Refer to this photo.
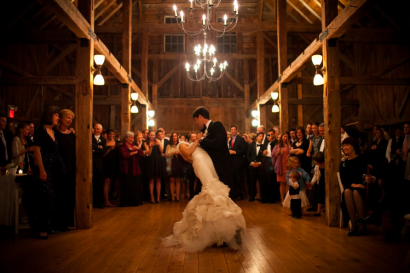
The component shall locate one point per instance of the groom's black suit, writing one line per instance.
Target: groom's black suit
(215, 145)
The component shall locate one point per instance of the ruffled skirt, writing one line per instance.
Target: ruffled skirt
(209, 218)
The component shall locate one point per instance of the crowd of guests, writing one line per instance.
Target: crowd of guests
(269, 166)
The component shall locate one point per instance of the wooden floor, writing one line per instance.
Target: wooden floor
(129, 240)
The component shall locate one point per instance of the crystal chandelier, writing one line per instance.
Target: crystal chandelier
(206, 65)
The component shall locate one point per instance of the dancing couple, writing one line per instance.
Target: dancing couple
(211, 217)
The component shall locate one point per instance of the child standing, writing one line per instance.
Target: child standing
(300, 179)
(294, 193)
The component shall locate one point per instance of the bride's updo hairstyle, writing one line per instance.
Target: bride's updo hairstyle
(201, 110)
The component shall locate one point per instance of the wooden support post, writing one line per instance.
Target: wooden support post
(260, 69)
(144, 64)
(247, 92)
(282, 64)
(300, 107)
(84, 111)
(332, 116)
(126, 62)
(112, 115)
(155, 103)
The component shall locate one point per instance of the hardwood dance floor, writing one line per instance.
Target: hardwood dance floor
(129, 240)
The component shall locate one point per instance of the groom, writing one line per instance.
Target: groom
(214, 141)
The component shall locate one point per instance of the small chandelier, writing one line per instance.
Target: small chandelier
(205, 58)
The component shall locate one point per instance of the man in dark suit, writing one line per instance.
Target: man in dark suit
(214, 141)
(255, 157)
(99, 145)
(262, 129)
(164, 182)
(237, 149)
(270, 187)
(5, 142)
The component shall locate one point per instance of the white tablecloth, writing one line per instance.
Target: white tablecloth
(7, 199)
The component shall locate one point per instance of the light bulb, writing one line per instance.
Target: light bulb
(99, 80)
(151, 113)
(255, 113)
(134, 109)
(275, 108)
(225, 19)
(212, 71)
(134, 96)
(187, 66)
(317, 59)
(203, 19)
(255, 123)
(151, 123)
(274, 95)
(215, 61)
(99, 59)
(182, 16)
(175, 9)
(318, 80)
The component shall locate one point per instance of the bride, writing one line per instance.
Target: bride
(210, 217)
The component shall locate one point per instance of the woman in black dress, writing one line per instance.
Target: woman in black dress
(111, 164)
(352, 172)
(131, 184)
(155, 165)
(176, 167)
(64, 191)
(299, 149)
(40, 197)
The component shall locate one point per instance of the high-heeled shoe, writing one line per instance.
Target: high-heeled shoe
(158, 201)
(152, 200)
(354, 232)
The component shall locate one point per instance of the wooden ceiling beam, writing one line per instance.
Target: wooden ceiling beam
(375, 36)
(177, 56)
(299, 11)
(335, 29)
(358, 81)
(42, 80)
(319, 101)
(38, 37)
(72, 18)
(240, 27)
(106, 18)
(69, 49)
(104, 9)
(309, 8)
(260, 15)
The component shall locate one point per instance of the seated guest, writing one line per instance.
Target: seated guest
(65, 190)
(352, 171)
(131, 183)
(20, 147)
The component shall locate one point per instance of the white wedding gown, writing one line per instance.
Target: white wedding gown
(210, 217)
